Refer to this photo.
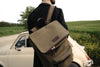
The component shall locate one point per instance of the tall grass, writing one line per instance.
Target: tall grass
(84, 26)
(4, 31)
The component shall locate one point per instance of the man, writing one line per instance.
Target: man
(41, 12)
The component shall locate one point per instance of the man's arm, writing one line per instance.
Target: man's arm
(29, 25)
(61, 19)
(31, 22)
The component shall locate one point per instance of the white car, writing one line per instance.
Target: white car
(20, 54)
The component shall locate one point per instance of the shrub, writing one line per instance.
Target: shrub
(91, 43)
(94, 52)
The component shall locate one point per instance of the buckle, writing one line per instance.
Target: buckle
(53, 48)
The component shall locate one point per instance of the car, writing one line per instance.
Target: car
(21, 54)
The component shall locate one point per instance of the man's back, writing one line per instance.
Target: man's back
(33, 21)
(41, 12)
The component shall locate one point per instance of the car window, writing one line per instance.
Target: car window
(21, 42)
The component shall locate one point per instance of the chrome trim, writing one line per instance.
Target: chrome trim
(88, 63)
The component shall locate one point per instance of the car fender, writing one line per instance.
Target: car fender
(2, 64)
(77, 61)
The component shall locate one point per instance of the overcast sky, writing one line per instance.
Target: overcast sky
(74, 10)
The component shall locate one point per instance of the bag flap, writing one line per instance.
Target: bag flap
(48, 36)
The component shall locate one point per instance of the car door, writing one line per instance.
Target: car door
(21, 55)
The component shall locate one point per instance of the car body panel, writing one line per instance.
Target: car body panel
(79, 54)
(22, 57)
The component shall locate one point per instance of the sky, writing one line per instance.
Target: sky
(74, 10)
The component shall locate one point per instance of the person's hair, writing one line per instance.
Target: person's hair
(51, 1)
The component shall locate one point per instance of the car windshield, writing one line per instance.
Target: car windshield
(24, 41)
(21, 42)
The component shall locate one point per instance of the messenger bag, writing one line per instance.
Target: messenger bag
(51, 40)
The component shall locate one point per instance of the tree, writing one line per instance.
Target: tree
(24, 15)
(4, 24)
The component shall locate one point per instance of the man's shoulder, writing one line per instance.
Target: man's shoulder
(58, 9)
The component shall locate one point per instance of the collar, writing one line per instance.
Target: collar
(44, 4)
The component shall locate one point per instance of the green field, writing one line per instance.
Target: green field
(85, 31)
(4, 31)
(84, 26)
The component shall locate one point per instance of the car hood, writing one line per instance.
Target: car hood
(5, 47)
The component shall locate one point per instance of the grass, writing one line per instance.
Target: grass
(84, 26)
(85, 30)
(5, 31)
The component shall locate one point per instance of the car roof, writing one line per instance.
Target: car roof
(26, 32)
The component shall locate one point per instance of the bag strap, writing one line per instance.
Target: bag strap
(50, 12)
(51, 9)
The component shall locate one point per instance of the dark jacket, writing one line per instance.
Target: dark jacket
(41, 12)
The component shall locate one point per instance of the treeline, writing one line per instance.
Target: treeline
(7, 24)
